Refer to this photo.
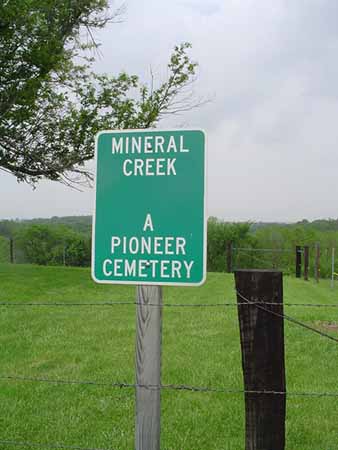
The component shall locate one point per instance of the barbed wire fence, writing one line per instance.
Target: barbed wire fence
(11, 250)
(261, 305)
(318, 262)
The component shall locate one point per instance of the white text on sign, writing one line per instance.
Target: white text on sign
(147, 245)
(148, 145)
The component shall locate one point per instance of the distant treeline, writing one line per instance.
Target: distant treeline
(266, 246)
(82, 224)
(47, 241)
(67, 241)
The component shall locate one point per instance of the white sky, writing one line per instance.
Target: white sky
(271, 70)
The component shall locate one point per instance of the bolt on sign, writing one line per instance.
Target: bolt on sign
(149, 223)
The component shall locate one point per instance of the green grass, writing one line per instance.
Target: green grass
(200, 347)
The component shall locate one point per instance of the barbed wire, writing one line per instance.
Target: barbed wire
(259, 259)
(62, 304)
(180, 387)
(275, 261)
(272, 250)
(167, 305)
(175, 387)
(201, 389)
(46, 445)
(289, 318)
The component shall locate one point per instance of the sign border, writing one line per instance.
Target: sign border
(205, 221)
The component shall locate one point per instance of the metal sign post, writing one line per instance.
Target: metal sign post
(149, 229)
(148, 367)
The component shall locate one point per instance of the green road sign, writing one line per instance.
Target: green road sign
(149, 221)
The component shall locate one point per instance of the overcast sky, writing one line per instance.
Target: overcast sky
(270, 69)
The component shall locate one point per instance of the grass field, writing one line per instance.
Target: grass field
(200, 347)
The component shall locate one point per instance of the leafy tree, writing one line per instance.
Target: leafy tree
(78, 251)
(219, 233)
(51, 106)
(7, 228)
(4, 250)
(53, 245)
(37, 243)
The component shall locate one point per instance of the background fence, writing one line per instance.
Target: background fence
(322, 262)
(314, 262)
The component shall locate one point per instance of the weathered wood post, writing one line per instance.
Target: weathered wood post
(306, 262)
(148, 367)
(298, 261)
(229, 256)
(262, 344)
(11, 250)
(317, 261)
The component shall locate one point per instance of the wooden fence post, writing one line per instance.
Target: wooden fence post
(306, 262)
(229, 256)
(148, 367)
(11, 250)
(298, 262)
(317, 261)
(263, 361)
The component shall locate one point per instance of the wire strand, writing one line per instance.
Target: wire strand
(176, 387)
(272, 250)
(167, 305)
(289, 318)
